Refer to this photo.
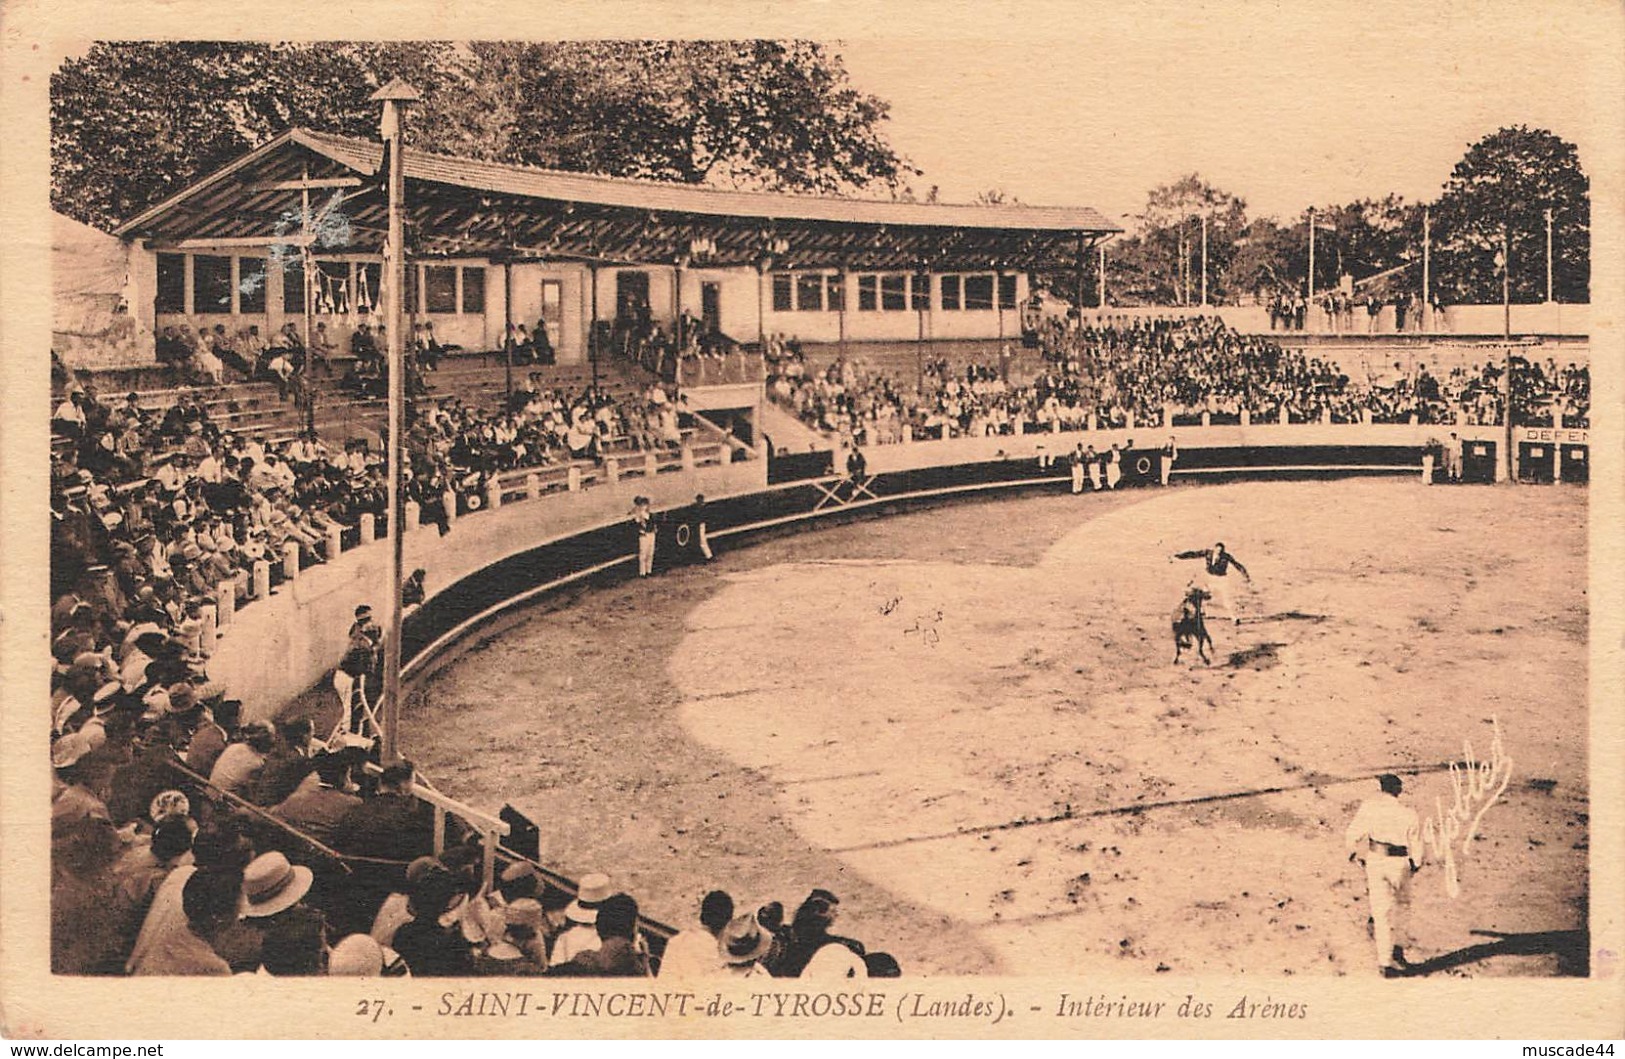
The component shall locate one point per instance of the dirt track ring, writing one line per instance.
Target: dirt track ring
(767, 726)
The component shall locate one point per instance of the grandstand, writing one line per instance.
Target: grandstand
(212, 543)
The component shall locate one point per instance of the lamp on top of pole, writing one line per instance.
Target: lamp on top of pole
(396, 96)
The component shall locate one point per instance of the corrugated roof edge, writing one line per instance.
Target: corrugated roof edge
(535, 182)
(538, 182)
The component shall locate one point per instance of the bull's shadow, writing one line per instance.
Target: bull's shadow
(1571, 947)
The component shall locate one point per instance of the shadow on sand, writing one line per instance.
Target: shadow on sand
(1571, 947)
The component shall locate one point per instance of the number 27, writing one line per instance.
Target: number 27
(375, 1008)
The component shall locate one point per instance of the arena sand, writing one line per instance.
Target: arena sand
(921, 713)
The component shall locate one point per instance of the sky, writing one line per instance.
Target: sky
(1094, 102)
(1285, 105)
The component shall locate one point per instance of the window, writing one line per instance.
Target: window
(369, 279)
(211, 284)
(920, 291)
(440, 289)
(783, 284)
(553, 306)
(1007, 291)
(834, 293)
(810, 291)
(866, 294)
(474, 291)
(978, 292)
(293, 285)
(894, 292)
(251, 273)
(171, 284)
(950, 292)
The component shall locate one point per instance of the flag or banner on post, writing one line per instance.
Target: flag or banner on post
(682, 537)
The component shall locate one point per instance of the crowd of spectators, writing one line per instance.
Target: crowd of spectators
(188, 842)
(1130, 372)
(212, 356)
(185, 841)
(176, 504)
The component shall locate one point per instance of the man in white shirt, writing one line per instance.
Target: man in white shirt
(1386, 835)
(69, 418)
(209, 469)
(694, 953)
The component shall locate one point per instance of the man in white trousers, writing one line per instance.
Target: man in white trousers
(1385, 835)
(1218, 562)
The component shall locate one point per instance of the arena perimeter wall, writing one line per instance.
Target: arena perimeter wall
(495, 561)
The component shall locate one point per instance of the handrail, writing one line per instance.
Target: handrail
(653, 927)
(237, 801)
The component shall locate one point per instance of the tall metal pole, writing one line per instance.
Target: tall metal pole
(1506, 333)
(1506, 284)
(1548, 255)
(1204, 261)
(394, 96)
(1427, 277)
(1184, 265)
(1309, 312)
(307, 264)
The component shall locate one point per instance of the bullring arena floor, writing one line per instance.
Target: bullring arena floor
(964, 722)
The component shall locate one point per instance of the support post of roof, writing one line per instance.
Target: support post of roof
(998, 299)
(592, 326)
(507, 328)
(680, 338)
(846, 296)
(395, 96)
(761, 306)
(306, 260)
(1081, 252)
(1101, 279)
(919, 341)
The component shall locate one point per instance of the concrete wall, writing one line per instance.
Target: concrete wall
(276, 648)
(883, 458)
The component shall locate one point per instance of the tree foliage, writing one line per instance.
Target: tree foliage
(1509, 179)
(1162, 263)
(135, 122)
